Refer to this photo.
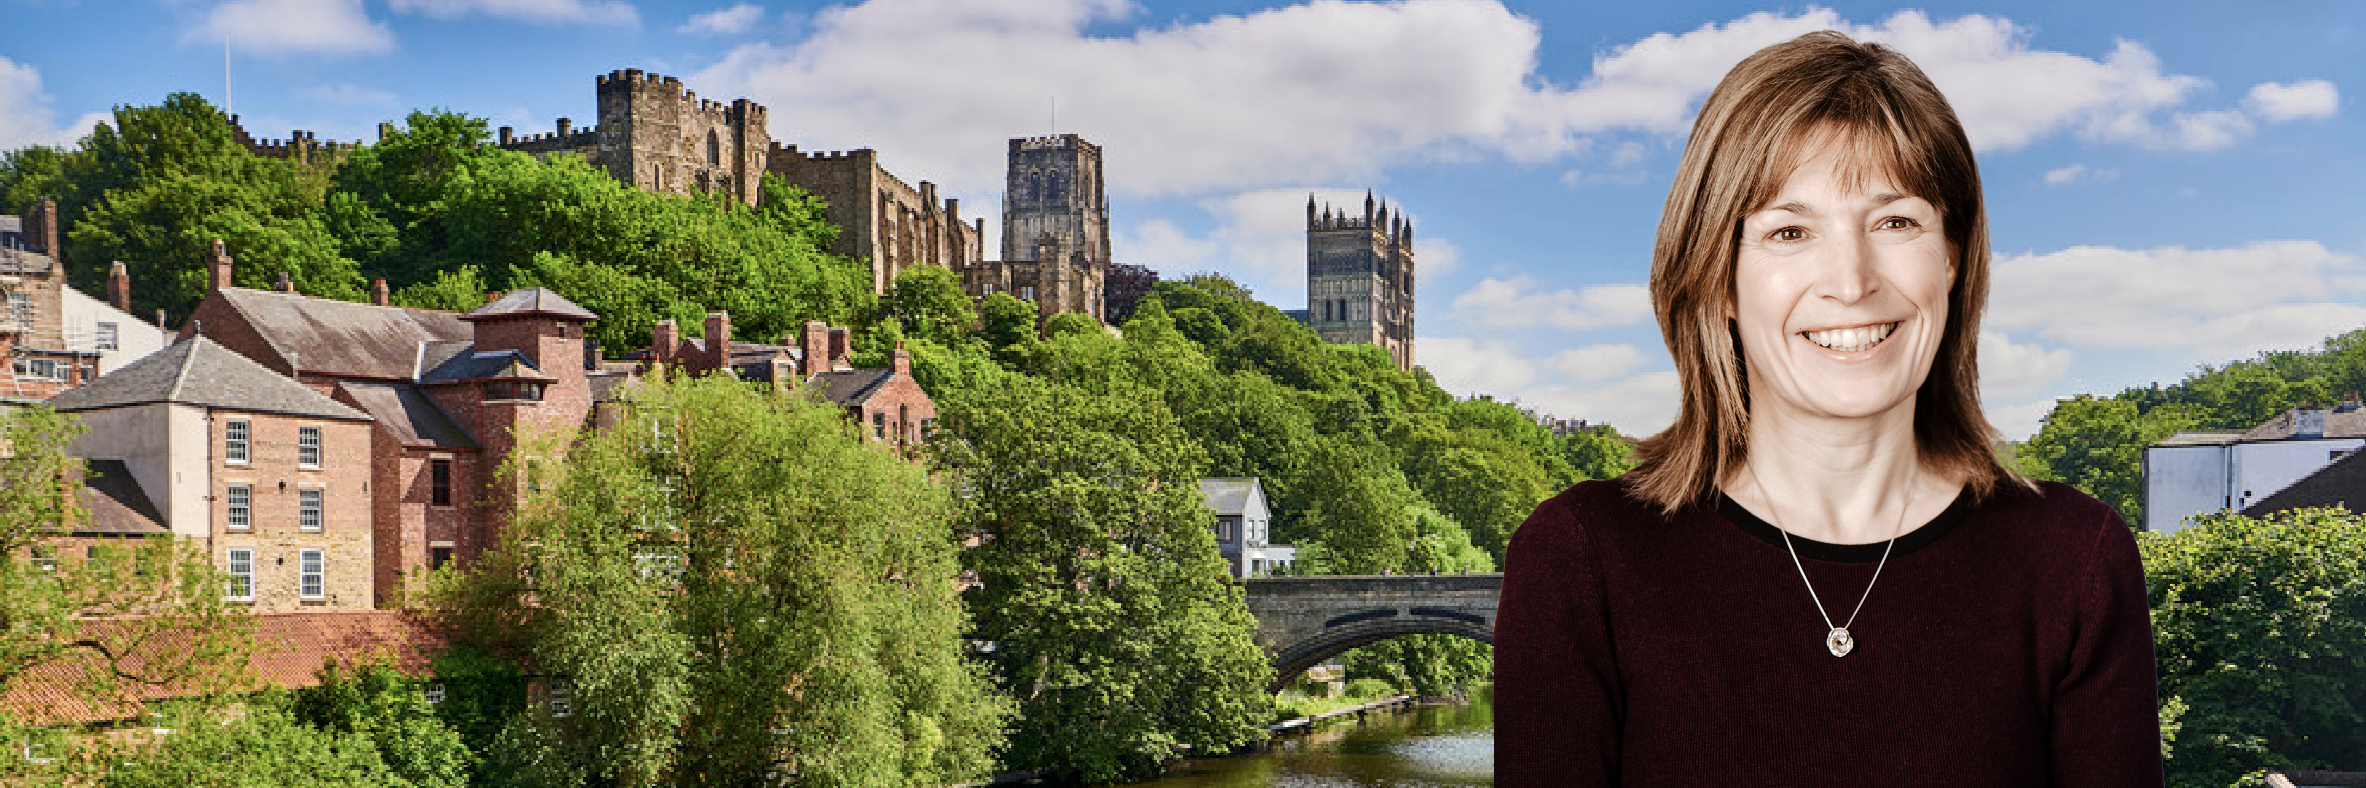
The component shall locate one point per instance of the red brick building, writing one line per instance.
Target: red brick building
(888, 402)
(33, 336)
(450, 396)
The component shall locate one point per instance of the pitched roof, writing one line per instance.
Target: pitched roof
(531, 301)
(196, 371)
(405, 411)
(1228, 495)
(2342, 422)
(2342, 484)
(484, 365)
(852, 387)
(345, 338)
(290, 649)
(115, 502)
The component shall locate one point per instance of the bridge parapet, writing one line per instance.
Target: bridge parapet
(1302, 621)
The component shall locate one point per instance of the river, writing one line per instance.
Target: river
(1429, 746)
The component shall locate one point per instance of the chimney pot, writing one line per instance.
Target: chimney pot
(379, 294)
(285, 285)
(221, 266)
(119, 287)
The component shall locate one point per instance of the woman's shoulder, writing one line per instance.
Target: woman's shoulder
(1566, 519)
(2054, 513)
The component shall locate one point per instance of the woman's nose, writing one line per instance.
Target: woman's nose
(1848, 269)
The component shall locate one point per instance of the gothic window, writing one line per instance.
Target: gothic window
(714, 149)
(1051, 188)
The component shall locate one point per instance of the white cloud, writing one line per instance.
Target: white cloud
(1636, 402)
(2018, 420)
(729, 21)
(1597, 362)
(1521, 301)
(1334, 92)
(349, 94)
(541, 11)
(1258, 238)
(2013, 370)
(294, 27)
(1164, 247)
(2197, 304)
(2274, 102)
(2080, 173)
(25, 114)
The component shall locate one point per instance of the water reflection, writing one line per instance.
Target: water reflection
(1440, 746)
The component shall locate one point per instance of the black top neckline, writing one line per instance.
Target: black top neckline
(1909, 542)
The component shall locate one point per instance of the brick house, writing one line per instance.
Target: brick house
(888, 402)
(42, 360)
(262, 472)
(450, 395)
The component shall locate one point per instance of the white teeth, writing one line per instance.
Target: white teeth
(1850, 340)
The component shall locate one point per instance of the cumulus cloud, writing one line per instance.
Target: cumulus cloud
(1337, 92)
(2080, 173)
(539, 11)
(2315, 98)
(1522, 301)
(1597, 362)
(2196, 304)
(294, 27)
(25, 114)
(1636, 402)
(2014, 370)
(1258, 238)
(729, 21)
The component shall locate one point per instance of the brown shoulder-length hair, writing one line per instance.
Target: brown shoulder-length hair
(1769, 114)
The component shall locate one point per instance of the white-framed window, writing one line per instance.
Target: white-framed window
(236, 438)
(20, 308)
(110, 337)
(42, 369)
(560, 694)
(435, 692)
(45, 557)
(308, 508)
(241, 500)
(308, 446)
(313, 565)
(242, 574)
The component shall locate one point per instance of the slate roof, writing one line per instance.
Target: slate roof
(2203, 438)
(2342, 484)
(289, 651)
(2345, 422)
(1228, 495)
(531, 301)
(474, 365)
(407, 412)
(196, 371)
(116, 504)
(852, 387)
(344, 338)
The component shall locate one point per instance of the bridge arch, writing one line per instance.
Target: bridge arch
(1302, 621)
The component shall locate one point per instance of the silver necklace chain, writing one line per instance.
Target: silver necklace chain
(1837, 639)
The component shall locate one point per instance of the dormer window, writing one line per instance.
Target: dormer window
(527, 390)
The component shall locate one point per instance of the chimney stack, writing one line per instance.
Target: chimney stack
(841, 347)
(285, 285)
(816, 345)
(718, 341)
(220, 267)
(903, 360)
(42, 228)
(379, 295)
(119, 287)
(664, 339)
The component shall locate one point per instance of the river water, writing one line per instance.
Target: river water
(1429, 746)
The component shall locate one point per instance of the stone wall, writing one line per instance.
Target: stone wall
(275, 534)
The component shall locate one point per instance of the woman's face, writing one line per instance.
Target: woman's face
(1840, 293)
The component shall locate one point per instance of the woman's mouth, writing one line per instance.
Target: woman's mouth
(1850, 340)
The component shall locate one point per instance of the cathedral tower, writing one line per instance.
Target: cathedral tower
(1055, 216)
(1359, 278)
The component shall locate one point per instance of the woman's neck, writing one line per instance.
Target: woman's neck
(1838, 480)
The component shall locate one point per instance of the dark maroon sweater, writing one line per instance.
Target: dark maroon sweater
(2006, 644)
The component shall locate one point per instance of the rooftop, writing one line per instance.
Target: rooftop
(196, 371)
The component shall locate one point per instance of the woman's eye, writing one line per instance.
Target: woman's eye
(1896, 223)
(1789, 234)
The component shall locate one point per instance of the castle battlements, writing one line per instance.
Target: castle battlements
(661, 87)
(780, 151)
(1053, 141)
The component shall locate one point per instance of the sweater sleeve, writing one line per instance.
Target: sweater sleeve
(2106, 715)
(1557, 699)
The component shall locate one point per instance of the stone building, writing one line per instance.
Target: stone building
(450, 395)
(661, 137)
(42, 358)
(1055, 229)
(1359, 278)
(888, 402)
(269, 476)
(880, 218)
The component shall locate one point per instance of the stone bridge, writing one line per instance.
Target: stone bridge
(1302, 621)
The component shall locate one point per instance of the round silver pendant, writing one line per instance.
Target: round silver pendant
(1840, 642)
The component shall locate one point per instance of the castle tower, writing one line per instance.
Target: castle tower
(1359, 278)
(663, 138)
(1054, 201)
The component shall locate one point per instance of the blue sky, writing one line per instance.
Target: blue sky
(2170, 183)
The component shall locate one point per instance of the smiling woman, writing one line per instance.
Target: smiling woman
(1820, 271)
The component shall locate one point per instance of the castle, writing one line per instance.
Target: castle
(1359, 278)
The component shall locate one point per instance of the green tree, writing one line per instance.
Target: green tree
(1431, 665)
(2260, 626)
(1359, 511)
(931, 304)
(1099, 587)
(733, 583)
(2097, 445)
(386, 709)
(29, 174)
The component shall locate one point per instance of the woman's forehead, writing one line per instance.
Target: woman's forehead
(1861, 161)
